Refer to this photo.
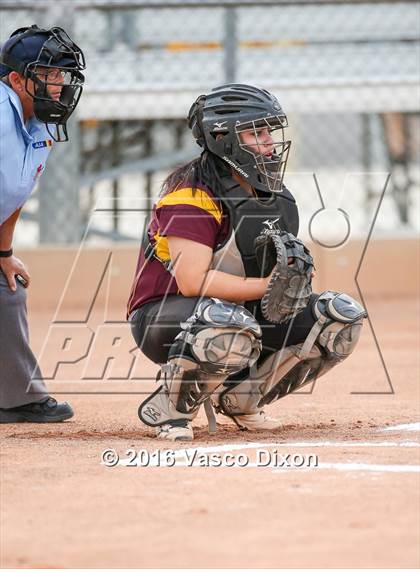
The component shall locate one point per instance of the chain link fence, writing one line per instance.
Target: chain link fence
(346, 73)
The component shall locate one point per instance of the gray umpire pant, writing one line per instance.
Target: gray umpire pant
(17, 362)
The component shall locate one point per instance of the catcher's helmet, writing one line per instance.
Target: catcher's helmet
(218, 119)
(49, 58)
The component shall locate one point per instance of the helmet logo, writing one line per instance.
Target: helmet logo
(220, 124)
(235, 167)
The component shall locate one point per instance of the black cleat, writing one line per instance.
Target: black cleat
(46, 411)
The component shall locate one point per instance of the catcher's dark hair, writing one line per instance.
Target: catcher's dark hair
(205, 171)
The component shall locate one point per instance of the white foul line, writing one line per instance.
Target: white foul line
(300, 444)
(358, 466)
(405, 427)
(349, 466)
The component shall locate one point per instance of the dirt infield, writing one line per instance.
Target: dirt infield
(358, 508)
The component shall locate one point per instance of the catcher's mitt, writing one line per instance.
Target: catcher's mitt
(290, 287)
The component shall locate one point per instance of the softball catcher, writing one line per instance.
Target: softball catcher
(222, 296)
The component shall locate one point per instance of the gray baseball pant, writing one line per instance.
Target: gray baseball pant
(17, 361)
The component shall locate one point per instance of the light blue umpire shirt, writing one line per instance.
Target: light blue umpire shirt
(24, 150)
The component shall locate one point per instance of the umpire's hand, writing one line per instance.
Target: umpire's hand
(13, 268)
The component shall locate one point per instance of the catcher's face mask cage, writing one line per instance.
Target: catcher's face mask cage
(263, 148)
(244, 125)
(55, 72)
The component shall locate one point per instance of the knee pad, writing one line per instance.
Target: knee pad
(337, 328)
(332, 338)
(219, 339)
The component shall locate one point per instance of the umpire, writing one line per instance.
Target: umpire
(40, 86)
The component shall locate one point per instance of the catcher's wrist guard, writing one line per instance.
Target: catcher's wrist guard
(291, 267)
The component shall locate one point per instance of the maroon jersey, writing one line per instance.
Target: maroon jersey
(195, 215)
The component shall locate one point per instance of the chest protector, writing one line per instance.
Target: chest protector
(248, 216)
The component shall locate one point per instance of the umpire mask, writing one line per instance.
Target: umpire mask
(54, 63)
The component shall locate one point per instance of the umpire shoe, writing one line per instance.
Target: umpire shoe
(45, 411)
(256, 422)
(176, 430)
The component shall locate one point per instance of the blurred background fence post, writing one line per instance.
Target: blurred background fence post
(230, 45)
